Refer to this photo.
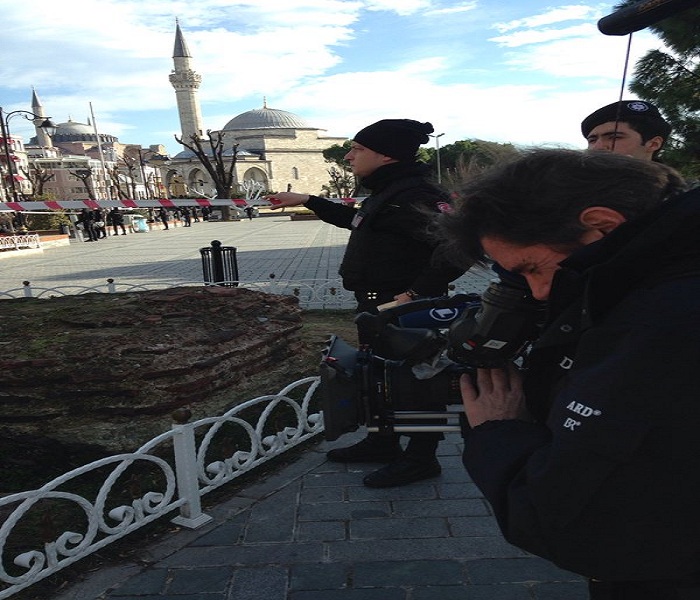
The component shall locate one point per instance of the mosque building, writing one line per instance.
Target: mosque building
(277, 150)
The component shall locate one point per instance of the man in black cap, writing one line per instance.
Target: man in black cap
(389, 257)
(631, 127)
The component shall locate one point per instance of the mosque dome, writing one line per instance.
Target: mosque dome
(266, 118)
(72, 131)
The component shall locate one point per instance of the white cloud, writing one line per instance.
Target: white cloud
(524, 38)
(592, 57)
(452, 10)
(401, 7)
(532, 82)
(555, 15)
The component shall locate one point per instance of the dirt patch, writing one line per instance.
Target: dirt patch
(317, 326)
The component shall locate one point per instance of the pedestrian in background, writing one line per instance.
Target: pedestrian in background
(87, 224)
(117, 219)
(163, 216)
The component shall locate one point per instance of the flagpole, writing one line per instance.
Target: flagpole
(108, 187)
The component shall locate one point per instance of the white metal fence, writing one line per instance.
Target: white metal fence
(183, 462)
(17, 241)
(173, 471)
(312, 293)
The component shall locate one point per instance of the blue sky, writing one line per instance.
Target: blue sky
(519, 71)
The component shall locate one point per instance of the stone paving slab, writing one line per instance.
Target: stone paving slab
(316, 533)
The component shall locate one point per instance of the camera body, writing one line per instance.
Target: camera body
(406, 378)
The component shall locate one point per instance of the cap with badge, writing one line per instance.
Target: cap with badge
(628, 111)
(396, 138)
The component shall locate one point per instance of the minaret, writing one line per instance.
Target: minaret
(43, 139)
(186, 83)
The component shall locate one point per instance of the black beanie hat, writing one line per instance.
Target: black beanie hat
(629, 111)
(397, 138)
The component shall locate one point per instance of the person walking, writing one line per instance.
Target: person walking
(117, 219)
(186, 216)
(99, 223)
(86, 221)
(389, 257)
(163, 216)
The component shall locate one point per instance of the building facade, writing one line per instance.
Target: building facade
(276, 149)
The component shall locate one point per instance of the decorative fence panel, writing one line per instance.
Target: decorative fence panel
(173, 471)
(15, 242)
(312, 293)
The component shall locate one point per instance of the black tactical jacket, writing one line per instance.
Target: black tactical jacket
(607, 484)
(389, 248)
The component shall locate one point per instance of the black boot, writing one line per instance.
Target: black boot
(418, 462)
(404, 470)
(374, 448)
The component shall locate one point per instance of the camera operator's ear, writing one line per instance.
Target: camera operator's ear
(599, 221)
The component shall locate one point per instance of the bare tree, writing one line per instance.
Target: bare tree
(131, 164)
(117, 183)
(221, 168)
(85, 175)
(38, 176)
(342, 183)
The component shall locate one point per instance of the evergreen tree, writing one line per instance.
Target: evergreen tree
(670, 79)
(342, 182)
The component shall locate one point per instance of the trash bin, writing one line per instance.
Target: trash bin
(219, 265)
(139, 224)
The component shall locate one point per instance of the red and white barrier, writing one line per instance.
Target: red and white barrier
(126, 204)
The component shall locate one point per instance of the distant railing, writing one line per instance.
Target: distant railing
(312, 293)
(17, 241)
(173, 471)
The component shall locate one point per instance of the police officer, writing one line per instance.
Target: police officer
(389, 257)
(631, 127)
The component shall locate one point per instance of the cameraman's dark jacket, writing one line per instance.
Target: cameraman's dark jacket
(389, 248)
(610, 486)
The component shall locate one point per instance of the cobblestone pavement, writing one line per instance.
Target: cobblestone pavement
(270, 247)
(311, 530)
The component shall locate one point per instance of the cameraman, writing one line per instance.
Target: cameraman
(591, 458)
(389, 256)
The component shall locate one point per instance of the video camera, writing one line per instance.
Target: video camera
(407, 376)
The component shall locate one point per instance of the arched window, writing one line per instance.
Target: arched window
(256, 175)
(295, 173)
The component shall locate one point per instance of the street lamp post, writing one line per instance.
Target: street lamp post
(47, 125)
(437, 155)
